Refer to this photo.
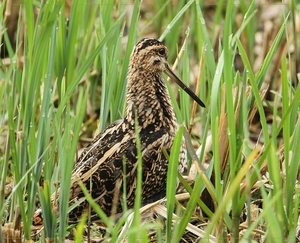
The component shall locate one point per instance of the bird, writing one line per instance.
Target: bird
(101, 168)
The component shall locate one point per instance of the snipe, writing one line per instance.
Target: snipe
(100, 167)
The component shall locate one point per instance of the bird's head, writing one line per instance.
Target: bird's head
(151, 55)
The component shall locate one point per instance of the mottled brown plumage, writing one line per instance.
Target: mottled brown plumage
(102, 161)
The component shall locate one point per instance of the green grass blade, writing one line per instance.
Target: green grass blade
(262, 71)
(82, 70)
(172, 181)
(67, 157)
(175, 19)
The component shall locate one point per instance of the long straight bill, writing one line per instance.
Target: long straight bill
(173, 76)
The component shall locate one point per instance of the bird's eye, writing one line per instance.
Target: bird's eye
(162, 51)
